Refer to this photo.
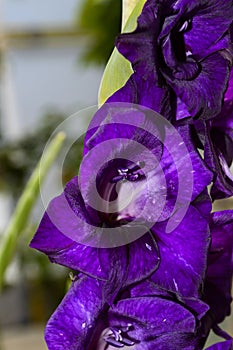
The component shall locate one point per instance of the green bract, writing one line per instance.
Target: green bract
(118, 69)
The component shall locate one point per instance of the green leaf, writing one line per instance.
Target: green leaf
(127, 8)
(118, 69)
(25, 205)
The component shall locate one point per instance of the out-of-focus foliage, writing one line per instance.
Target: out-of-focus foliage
(100, 20)
(45, 282)
(24, 207)
(19, 158)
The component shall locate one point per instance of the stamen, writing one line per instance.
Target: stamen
(134, 177)
(123, 171)
(132, 173)
(127, 342)
(118, 337)
(117, 179)
(126, 328)
(113, 342)
(117, 333)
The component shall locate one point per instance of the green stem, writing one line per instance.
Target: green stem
(25, 205)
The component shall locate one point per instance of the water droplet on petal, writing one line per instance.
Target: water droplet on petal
(175, 284)
(148, 246)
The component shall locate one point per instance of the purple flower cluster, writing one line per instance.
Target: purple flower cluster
(153, 263)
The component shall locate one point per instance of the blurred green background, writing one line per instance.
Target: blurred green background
(52, 56)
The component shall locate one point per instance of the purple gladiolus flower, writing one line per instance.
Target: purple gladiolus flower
(77, 235)
(74, 233)
(180, 53)
(144, 317)
(216, 138)
(153, 266)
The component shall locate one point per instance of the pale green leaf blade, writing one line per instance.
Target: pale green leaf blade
(118, 69)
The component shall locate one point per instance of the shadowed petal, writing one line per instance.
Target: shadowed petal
(177, 46)
(72, 324)
(222, 126)
(202, 176)
(147, 93)
(207, 88)
(224, 345)
(148, 288)
(151, 317)
(217, 288)
(223, 179)
(183, 254)
(139, 268)
(64, 224)
(176, 341)
(210, 19)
